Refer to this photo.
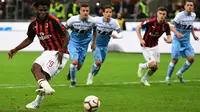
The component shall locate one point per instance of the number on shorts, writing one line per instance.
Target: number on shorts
(50, 64)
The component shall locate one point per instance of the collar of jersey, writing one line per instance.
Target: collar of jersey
(106, 21)
(84, 20)
(186, 13)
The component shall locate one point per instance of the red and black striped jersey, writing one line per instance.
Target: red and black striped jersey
(154, 31)
(50, 33)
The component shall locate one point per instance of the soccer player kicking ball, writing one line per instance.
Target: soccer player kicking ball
(154, 29)
(183, 23)
(105, 26)
(54, 39)
(82, 26)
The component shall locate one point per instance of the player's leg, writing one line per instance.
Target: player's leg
(48, 67)
(143, 66)
(153, 66)
(189, 54)
(175, 55)
(74, 55)
(97, 54)
(152, 56)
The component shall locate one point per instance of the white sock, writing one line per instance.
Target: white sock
(43, 83)
(144, 65)
(39, 99)
(148, 74)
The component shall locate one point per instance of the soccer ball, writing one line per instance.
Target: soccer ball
(91, 103)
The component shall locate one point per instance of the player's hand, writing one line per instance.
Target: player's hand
(165, 39)
(142, 42)
(196, 38)
(59, 55)
(113, 36)
(11, 53)
(179, 35)
(93, 46)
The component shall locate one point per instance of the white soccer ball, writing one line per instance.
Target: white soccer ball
(91, 103)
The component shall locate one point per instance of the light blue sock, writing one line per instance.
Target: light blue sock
(73, 69)
(186, 65)
(170, 70)
(95, 69)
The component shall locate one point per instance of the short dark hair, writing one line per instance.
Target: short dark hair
(162, 9)
(188, 1)
(84, 5)
(41, 2)
(106, 7)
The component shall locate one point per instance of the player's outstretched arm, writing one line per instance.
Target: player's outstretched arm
(195, 37)
(117, 34)
(142, 42)
(22, 45)
(179, 35)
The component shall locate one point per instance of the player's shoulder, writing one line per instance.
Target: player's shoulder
(74, 18)
(166, 22)
(113, 21)
(91, 19)
(180, 14)
(193, 14)
(98, 18)
(33, 21)
(149, 21)
(53, 18)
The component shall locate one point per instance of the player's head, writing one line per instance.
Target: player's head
(161, 13)
(42, 8)
(107, 11)
(84, 11)
(189, 5)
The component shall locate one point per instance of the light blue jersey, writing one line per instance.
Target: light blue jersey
(80, 36)
(183, 24)
(104, 30)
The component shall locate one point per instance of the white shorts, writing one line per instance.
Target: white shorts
(49, 62)
(151, 54)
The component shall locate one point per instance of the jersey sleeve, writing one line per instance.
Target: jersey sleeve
(146, 24)
(69, 23)
(59, 27)
(117, 27)
(176, 20)
(31, 31)
(167, 29)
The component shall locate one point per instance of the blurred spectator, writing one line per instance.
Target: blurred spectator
(28, 11)
(60, 10)
(73, 9)
(121, 21)
(141, 10)
(52, 9)
(129, 6)
(152, 15)
(100, 12)
(1, 10)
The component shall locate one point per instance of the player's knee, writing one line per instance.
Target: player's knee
(153, 66)
(75, 62)
(191, 60)
(98, 63)
(174, 61)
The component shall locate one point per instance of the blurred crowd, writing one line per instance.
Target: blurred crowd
(63, 9)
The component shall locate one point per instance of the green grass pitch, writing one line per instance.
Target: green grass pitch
(116, 85)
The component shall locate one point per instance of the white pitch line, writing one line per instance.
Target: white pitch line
(11, 86)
